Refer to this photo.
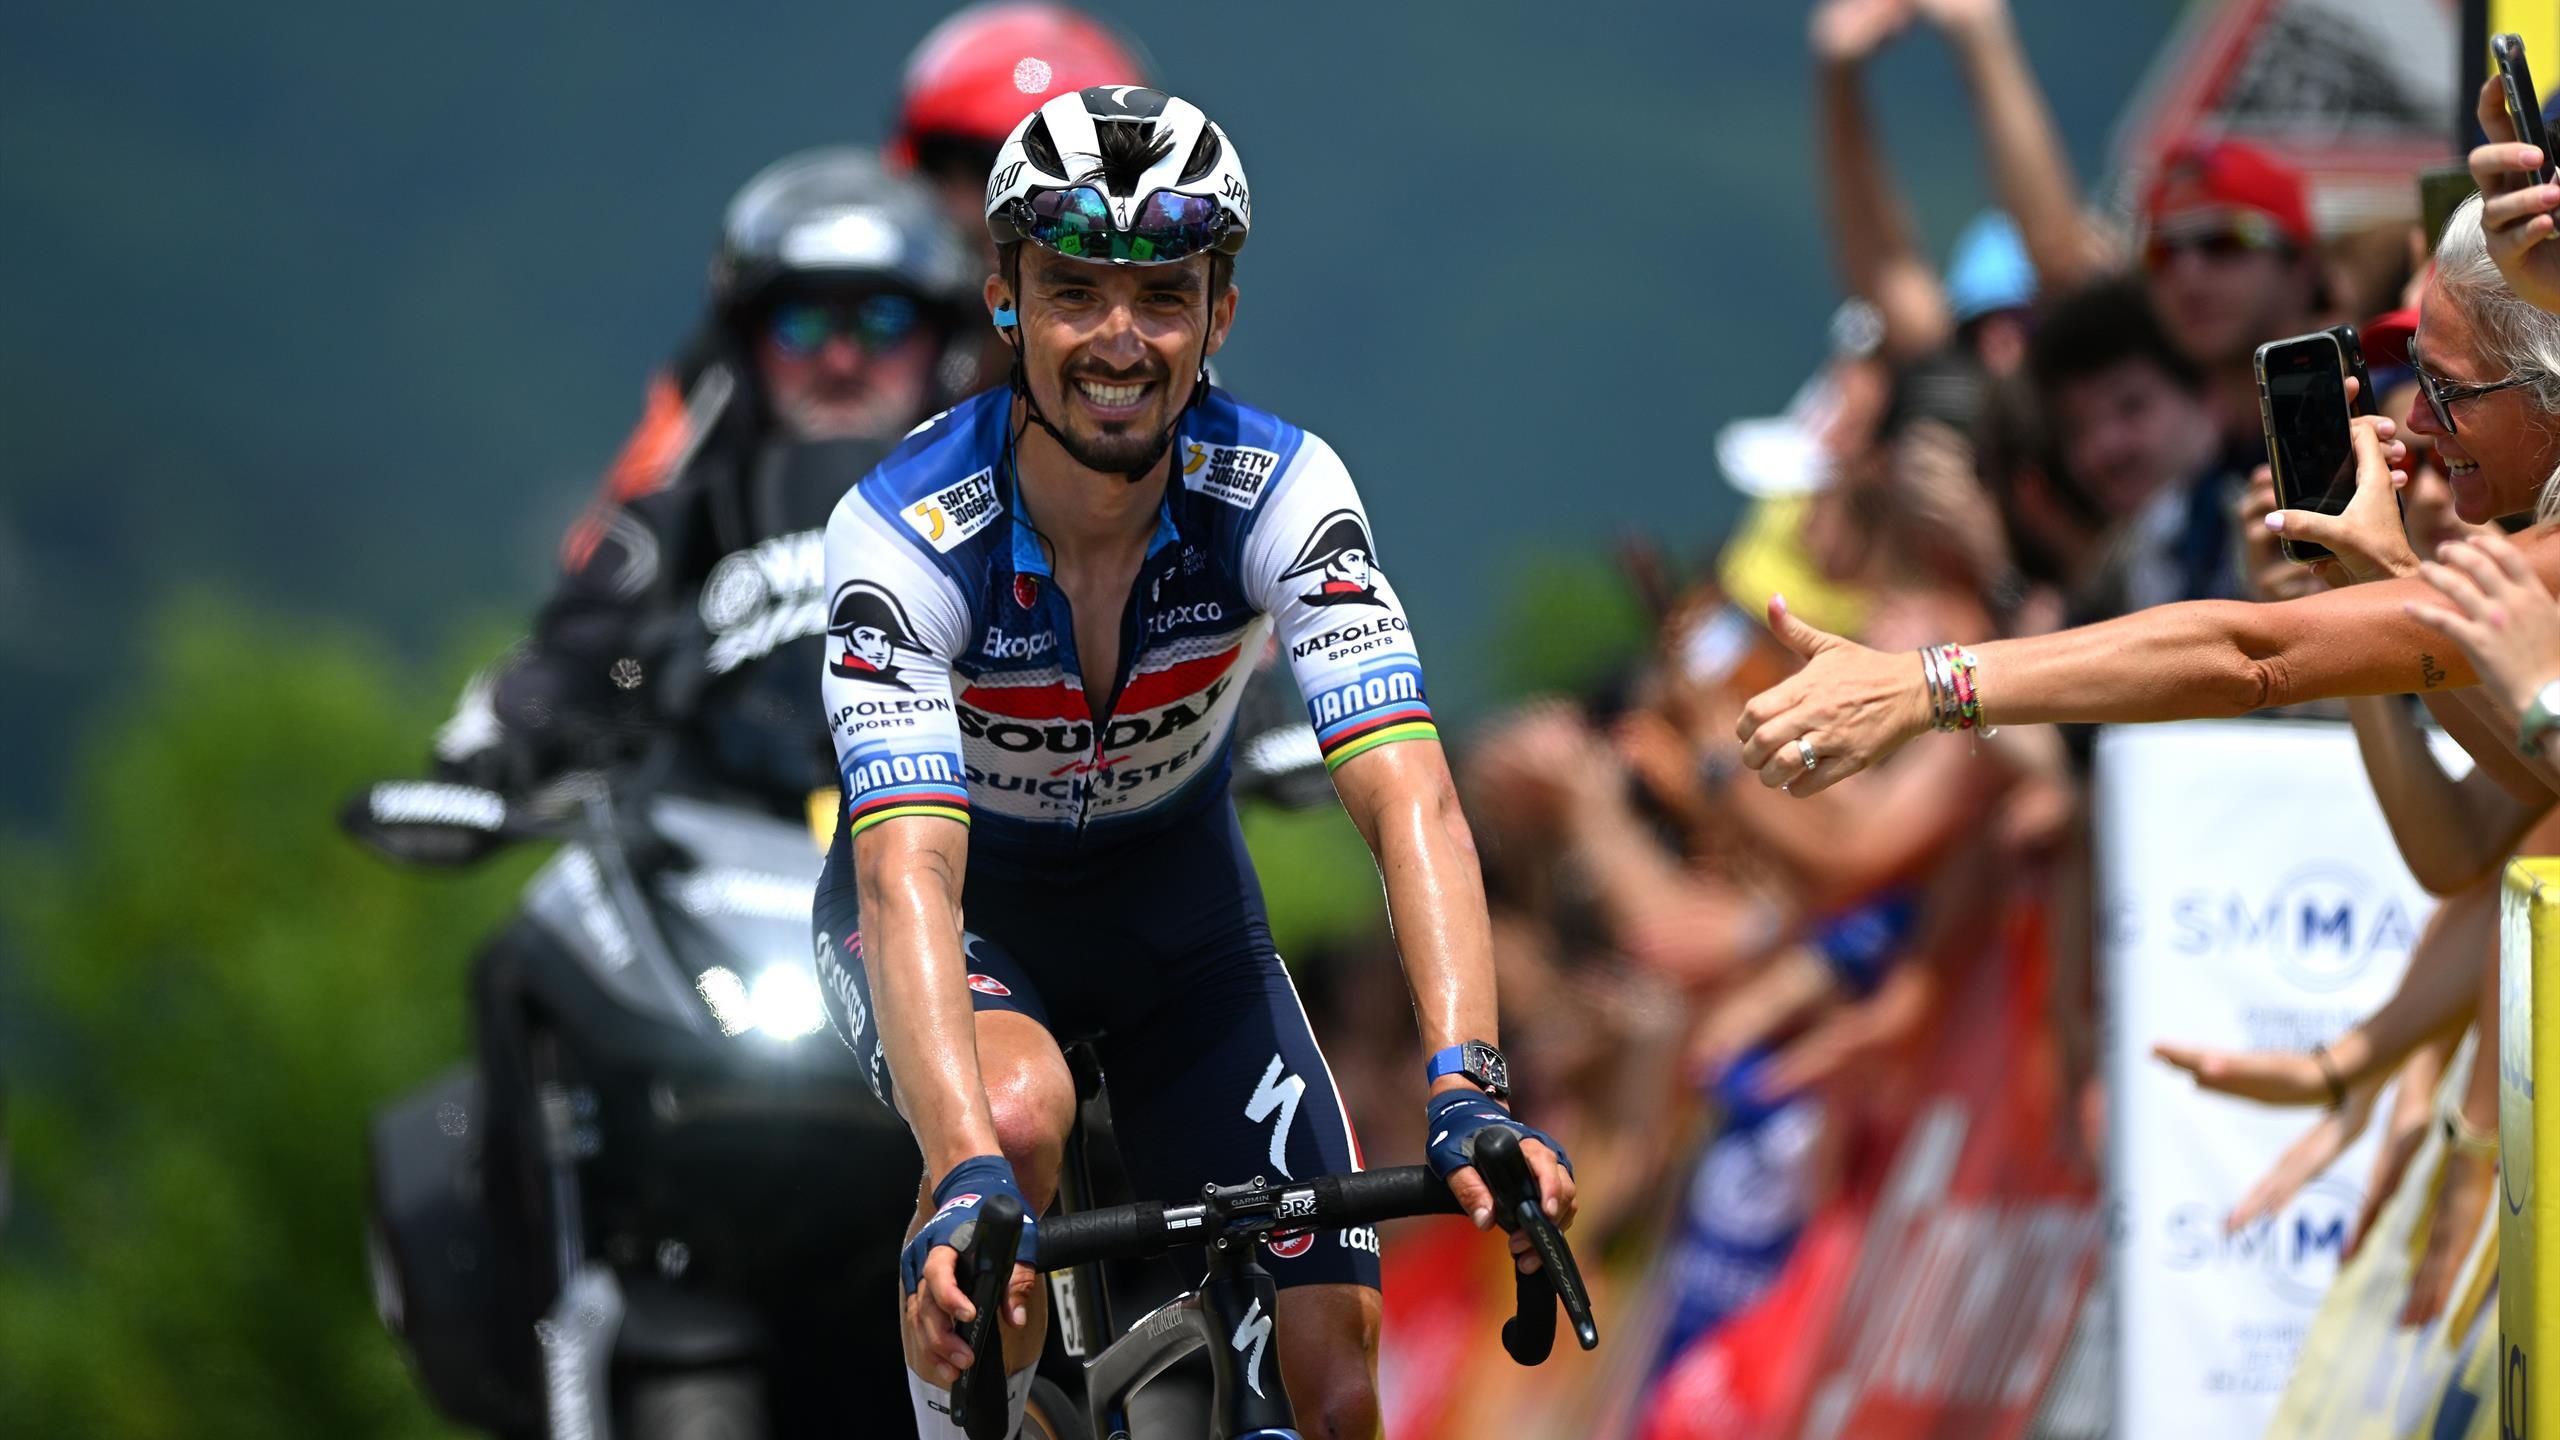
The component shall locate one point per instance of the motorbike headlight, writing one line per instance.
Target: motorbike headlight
(726, 994)
(785, 1001)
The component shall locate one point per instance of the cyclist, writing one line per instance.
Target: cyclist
(835, 323)
(1066, 575)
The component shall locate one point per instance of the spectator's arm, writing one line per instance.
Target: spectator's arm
(2450, 832)
(1879, 259)
(2029, 171)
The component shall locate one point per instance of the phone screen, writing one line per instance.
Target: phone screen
(2314, 460)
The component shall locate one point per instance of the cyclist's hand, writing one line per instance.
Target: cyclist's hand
(1455, 1117)
(939, 1307)
(936, 1305)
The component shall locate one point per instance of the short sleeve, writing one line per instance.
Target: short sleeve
(894, 624)
(1310, 564)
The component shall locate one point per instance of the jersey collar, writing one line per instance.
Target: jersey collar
(1029, 559)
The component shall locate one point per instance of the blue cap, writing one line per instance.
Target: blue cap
(1990, 270)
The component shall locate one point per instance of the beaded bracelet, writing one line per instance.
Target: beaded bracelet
(1954, 701)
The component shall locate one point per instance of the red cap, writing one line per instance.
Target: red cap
(2200, 179)
(981, 70)
(2386, 336)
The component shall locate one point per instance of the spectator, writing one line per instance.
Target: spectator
(2134, 432)
(1981, 303)
(2231, 261)
(2182, 661)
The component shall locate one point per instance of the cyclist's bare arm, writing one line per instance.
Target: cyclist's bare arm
(1405, 805)
(909, 871)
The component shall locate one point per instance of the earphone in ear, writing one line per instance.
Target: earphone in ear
(1006, 318)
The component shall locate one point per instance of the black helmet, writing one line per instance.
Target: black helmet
(834, 213)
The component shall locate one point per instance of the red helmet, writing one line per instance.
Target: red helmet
(975, 76)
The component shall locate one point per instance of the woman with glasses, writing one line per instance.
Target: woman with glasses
(2489, 368)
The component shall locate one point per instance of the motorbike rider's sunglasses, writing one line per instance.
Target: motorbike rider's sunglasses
(801, 327)
(1076, 222)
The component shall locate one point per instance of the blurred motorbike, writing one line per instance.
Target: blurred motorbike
(662, 1205)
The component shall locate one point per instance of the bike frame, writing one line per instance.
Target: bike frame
(1231, 1317)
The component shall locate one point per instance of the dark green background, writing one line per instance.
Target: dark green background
(342, 306)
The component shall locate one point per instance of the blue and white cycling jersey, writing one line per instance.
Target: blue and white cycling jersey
(952, 683)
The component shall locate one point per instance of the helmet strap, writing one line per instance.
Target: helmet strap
(1020, 380)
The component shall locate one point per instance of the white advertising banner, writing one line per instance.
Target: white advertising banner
(2249, 899)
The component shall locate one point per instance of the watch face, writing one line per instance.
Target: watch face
(1485, 1064)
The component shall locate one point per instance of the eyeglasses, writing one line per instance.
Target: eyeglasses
(2443, 395)
(877, 323)
(2227, 237)
(1076, 222)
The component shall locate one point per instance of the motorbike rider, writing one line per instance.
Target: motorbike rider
(689, 605)
(834, 325)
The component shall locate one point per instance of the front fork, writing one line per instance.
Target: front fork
(1236, 1305)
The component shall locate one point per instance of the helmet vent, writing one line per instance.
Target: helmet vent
(1040, 149)
(1130, 148)
(1204, 158)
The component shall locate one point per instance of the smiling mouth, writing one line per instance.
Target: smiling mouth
(1113, 397)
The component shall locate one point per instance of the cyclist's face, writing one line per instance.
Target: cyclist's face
(1111, 351)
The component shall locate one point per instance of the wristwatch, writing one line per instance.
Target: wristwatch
(1481, 1064)
(2541, 716)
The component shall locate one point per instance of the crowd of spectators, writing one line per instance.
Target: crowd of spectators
(2058, 428)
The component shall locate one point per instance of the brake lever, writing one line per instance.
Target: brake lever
(978, 1404)
(1530, 1334)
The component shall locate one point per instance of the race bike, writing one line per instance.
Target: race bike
(661, 1204)
(1229, 1319)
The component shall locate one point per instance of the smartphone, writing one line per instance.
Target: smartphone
(2302, 401)
(2351, 350)
(2524, 107)
(2441, 191)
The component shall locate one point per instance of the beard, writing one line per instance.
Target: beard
(1129, 447)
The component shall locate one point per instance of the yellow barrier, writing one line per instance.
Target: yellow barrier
(2528, 941)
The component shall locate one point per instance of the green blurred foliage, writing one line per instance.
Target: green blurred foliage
(230, 987)
(1568, 622)
(1317, 878)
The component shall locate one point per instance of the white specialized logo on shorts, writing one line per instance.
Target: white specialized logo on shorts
(1279, 1093)
(1252, 1333)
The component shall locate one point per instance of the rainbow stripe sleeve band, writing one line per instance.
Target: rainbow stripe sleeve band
(1369, 731)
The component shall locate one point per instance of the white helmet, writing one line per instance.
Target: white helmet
(1119, 173)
